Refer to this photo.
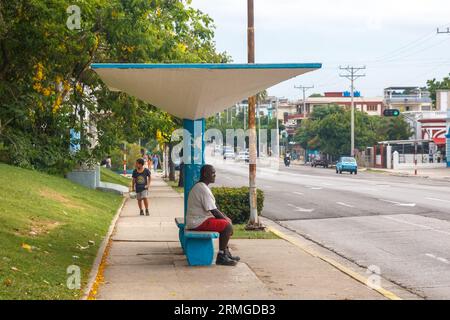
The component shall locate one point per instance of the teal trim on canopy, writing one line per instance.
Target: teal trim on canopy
(206, 66)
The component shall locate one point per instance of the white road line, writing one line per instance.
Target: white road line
(314, 188)
(298, 193)
(300, 209)
(436, 199)
(399, 203)
(345, 204)
(440, 259)
(417, 225)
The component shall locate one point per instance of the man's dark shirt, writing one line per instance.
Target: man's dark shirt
(141, 179)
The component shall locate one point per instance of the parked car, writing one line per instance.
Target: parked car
(228, 153)
(243, 156)
(320, 162)
(347, 164)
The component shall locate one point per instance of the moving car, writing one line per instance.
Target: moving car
(228, 153)
(243, 156)
(320, 162)
(347, 164)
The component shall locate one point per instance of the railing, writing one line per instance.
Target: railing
(407, 98)
(427, 114)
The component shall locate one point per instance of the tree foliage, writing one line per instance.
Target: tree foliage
(47, 87)
(434, 85)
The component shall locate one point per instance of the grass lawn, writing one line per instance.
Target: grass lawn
(174, 185)
(239, 229)
(107, 175)
(47, 224)
(241, 233)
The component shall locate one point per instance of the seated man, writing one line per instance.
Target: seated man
(203, 215)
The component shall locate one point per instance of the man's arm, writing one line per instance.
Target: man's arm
(219, 215)
(148, 181)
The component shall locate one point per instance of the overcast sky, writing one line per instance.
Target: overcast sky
(395, 39)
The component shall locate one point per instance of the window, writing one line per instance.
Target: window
(372, 107)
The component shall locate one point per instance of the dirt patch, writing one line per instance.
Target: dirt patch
(53, 195)
(38, 228)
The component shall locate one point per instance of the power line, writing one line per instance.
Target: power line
(304, 89)
(443, 32)
(352, 74)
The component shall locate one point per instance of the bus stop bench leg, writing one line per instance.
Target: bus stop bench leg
(199, 247)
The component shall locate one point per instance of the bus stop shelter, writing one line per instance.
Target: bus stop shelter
(194, 92)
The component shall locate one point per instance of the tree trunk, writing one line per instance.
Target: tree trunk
(171, 164)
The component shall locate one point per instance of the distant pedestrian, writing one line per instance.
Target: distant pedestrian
(108, 162)
(155, 161)
(140, 184)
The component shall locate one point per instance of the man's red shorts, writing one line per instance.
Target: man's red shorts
(213, 224)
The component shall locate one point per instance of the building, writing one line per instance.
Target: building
(408, 99)
(303, 109)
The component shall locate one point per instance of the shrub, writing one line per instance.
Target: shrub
(235, 203)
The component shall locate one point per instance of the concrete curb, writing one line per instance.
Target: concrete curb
(100, 253)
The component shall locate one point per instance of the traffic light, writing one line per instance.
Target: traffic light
(391, 112)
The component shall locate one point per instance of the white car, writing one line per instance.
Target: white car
(228, 153)
(243, 156)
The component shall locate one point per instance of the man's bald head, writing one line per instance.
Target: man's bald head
(207, 174)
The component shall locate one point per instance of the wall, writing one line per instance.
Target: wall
(409, 162)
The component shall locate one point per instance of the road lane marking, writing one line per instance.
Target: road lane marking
(386, 293)
(345, 204)
(436, 199)
(417, 225)
(298, 193)
(314, 188)
(440, 259)
(300, 209)
(399, 203)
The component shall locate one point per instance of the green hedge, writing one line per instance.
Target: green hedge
(234, 202)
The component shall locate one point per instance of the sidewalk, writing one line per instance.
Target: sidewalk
(145, 261)
(438, 173)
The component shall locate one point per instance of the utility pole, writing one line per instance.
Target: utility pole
(304, 89)
(253, 222)
(278, 132)
(352, 75)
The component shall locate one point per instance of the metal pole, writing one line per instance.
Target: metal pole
(253, 222)
(352, 152)
(352, 76)
(278, 131)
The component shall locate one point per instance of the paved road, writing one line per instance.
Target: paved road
(399, 225)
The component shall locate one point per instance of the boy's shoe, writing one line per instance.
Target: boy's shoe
(146, 212)
(142, 212)
(224, 260)
(235, 258)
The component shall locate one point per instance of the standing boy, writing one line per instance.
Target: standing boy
(140, 184)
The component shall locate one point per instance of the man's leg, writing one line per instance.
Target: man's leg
(146, 206)
(146, 203)
(224, 237)
(140, 207)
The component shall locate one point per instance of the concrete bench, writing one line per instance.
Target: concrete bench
(180, 224)
(198, 246)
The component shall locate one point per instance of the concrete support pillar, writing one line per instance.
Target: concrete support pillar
(389, 157)
(193, 154)
(396, 160)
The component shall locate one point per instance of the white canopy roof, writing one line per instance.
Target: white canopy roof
(194, 91)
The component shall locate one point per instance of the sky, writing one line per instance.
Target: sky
(395, 39)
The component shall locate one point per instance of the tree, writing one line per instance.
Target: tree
(47, 87)
(433, 85)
